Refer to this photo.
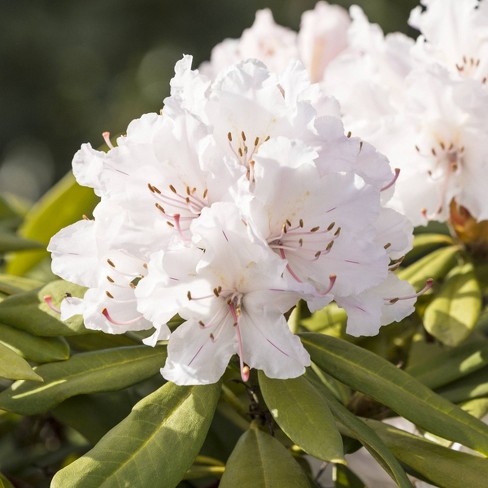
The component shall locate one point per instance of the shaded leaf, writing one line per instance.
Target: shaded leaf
(260, 460)
(10, 284)
(303, 415)
(90, 372)
(154, 446)
(438, 464)
(473, 386)
(425, 243)
(13, 367)
(376, 377)
(62, 205)
(343, 477)
(11, 242)
(451, 364)
(37, 349)
(331, 319)
(435, 265)
(352, 426)
(4, 482)
(454, 310)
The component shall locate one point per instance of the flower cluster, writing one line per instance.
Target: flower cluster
(242, 197)
(421, 103)
(425, 104)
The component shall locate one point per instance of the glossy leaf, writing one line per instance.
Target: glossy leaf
(13, 367)
(376, 377)
(435, 265)
(453, 312)
(303, 415)
(451, 364)
(260, 460)
(154, 446)
(91, 372)
(33, 348)
(440, 465)
(62, 205)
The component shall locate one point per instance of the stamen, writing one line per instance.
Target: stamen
(428, 285)
(393, 181)
(116, 322)
(48, 300)
(111, 263)
(229, 136)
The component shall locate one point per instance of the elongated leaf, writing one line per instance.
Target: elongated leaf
(62, 205)
(94, 415)
(260, 460)
(455, 309)
(331, 318)
(477, 408)
(451, 365)
(473, 386)
(33, 348)
(27, 311)
(153, 446)
(435, 265)
(425, 243)
(13, 367)
(11, 285)
(354, 427)
(91, 372)
(304, 416)
(376, 377)
(11, 242)
(439, 465)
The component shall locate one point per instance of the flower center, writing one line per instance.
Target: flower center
(245, 151)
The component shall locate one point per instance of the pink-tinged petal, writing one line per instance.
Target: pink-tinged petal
(71, 306)
(363, 313)
(195, 358)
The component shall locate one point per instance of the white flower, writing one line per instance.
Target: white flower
(241, 198)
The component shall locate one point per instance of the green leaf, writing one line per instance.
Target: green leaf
(260, 460)
(11, 242)
(304, 416)
(62, 205)
(27, 311)
(451, 365)
(477, 408)
(4, 482)
(13, 367)
(455, 309)
(94, 415)
(37, 349)
(435, 265)
(10, 285)
(376, 377)
(345, 478)
(352, 426)
(331, 319)
(473, 386)
(90, 372)
(425, 243)
(438, 464)
(154, 446)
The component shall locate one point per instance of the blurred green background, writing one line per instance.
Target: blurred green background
(70, 70)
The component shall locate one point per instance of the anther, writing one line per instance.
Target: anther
(331, 226)
(443, 146)
(256, 142)
(111, 263)
(188, 295)
(229, 136)
(387, 245)
(417, 148)
(159, 207)
(240, 152)
(205, 193)
(201, 324)
(243, 135)
(300, 223)
(337, 232)
(110, 279)
(315, 229)
(108, 294)
(172, 188)
(288, 223)
(432, 150)
(349, 134)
